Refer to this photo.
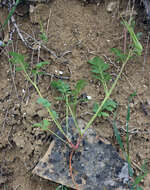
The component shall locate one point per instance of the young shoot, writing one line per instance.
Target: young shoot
(71, 97)
(99, 68)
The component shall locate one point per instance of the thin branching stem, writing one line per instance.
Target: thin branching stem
(48, 109)
(74, 119)
(108, 94)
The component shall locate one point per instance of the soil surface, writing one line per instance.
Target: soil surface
(76, 33)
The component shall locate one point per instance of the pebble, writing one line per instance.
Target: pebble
(112, 6)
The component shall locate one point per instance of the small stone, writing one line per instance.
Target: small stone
(60, 72)
(89, 97)
(19, 140)
(112, 6)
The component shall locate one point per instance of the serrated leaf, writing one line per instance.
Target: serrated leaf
(95, 108)
(79, 86)
(96, 60)
(17, 57)
(59, 98)
(99, 68)
(44, 102)
(98, 64)
(109, 106)
(55, 114)
(119, 54)
(104, 114)
(41, 64)
(61, 86)
(45, 124)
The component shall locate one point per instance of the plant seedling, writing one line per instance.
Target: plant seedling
(70, 97)
(43, 35)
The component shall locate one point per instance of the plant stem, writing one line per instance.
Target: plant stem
(74, 119)
(48, 109)
(108, 94)
(58, 137)
(67, 113)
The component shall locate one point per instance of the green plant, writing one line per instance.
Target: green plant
(134, 183)
(71, 97)
(61, 187)
(43, 35)
(109, 106)
(11, 12)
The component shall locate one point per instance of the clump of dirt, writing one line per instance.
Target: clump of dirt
(75, 34)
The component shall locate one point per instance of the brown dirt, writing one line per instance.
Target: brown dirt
(86, 31)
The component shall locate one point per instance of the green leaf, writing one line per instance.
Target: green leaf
(104, 114)
(18, 69)
(99, 63)
(34, 71)
(61, 86)
(41, 64)
(59, 98)
(117, 134)
(44, 125)
(79, 86)
(37, 125)
(137, 44)
(95, 108)
(61, 187)
(41, 73)
(101, 113)
(128, 114)
(119, 54)
(11, 12)
(99, 68)
(131, 96)
(43, 37)
(17, 57)
(44, 102)
(54, 114)
(109, 106)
